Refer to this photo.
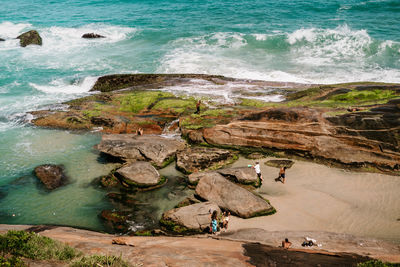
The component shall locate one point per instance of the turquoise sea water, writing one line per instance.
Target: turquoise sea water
(298, 41)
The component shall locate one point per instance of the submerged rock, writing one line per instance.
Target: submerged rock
(194, 218)
(28, 38)
(230, 196)
(130, 148)
(92, 35)
(52, 176)
(195, 159)
(139, 173)
(116, 221)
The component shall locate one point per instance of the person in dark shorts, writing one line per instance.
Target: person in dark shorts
(282, 174)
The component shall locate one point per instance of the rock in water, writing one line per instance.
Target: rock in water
(130, 147)
(92, 35)
(230, 196)
(52, 176)
(194, 217)
(139, 173)
(2, 40)
(28, 38)
(200, 158)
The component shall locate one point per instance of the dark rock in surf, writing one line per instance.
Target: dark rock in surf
(92, 35)
(2, 40)
(52, 176)
(28, 38)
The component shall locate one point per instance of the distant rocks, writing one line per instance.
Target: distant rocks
(196, 217)
(140, 173)
(195, 159)
(92, 35)
(230, 196)
(116, 221)
(52, 176)
(28, 38)
(129, 147)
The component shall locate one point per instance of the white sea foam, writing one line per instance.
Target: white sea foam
(12, 30)
(60, 86)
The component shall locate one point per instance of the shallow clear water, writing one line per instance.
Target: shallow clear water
(295, 41)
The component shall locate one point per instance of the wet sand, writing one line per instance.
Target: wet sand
(319, 198)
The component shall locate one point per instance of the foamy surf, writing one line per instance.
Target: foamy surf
(61, 86)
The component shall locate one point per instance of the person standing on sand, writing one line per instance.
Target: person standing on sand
(282, 174)
(258, 170)
(286, 244)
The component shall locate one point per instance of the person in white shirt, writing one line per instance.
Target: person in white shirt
(258, 170)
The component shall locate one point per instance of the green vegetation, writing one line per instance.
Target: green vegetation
(138, 101)
(177, 105)
(99, 260)
(355, 97)
(143, 233)
(17, 245)
(207, 119)
(173, 227)
(376, 263)
(253, 103)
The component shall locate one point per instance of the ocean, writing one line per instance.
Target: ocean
(316, 41)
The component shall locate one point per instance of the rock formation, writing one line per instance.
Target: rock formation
(194, 217)
(52, 176)
(242, 175)
(128, 147)
(139, 173)
(230, 196)
(92, 36)
(195, 159)
(28, 38)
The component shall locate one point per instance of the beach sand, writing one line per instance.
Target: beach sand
(319, 198)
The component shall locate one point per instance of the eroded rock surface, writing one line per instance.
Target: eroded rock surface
(230, 196)
(194, 217)
(28, 38)
(242, 175)
(52, 176)
(194, 159)
(129, 147)
(139, 173)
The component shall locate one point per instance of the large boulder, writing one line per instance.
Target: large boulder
(194, 159)
(195, 177)
(92, 35)
(139, 173)
(193, 218)
(230, 196)
(52, 176)
(129, 147)
(242, 175)
(28, 38)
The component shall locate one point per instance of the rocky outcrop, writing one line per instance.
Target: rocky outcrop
(128, 147)
(28, 38)
(52, 176)
(195, 177)
(194, 159)
(115, 221)
(140, 174)
(92, 36)
(194, 218)
(306, 132)
(242, 175)
(230, 196)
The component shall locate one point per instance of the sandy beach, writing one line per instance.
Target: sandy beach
(319, 198)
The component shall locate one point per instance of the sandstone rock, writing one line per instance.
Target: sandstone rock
(278, 163)
(92, 36)
(194, 217)
(255, 155)
(130, 148)
(139, 173)
(200, 158)
(242, 175)
(100, 121)
(230, 196)
(116, 221)
(52, 176)
(28, 38)
(195, 177)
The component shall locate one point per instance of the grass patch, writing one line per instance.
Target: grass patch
(253, 103)
(377, 263)
(177, 105)
(99, 260)
(138, 101)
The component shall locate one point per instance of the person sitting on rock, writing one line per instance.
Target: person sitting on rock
(286, 244)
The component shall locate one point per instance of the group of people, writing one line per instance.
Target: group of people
(281, 177)
(219, 223)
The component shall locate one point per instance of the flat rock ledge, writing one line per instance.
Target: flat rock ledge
(28, 38)
(140, 174)
(278, 163)
(129, 147)
(192, 218)
(229, 196)
(194, 159)
(52, 176)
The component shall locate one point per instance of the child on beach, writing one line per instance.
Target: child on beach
(286, 244)
(282, 174)
(225, 220)
(214, 222)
